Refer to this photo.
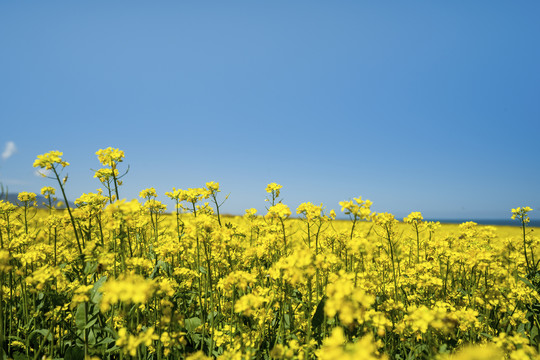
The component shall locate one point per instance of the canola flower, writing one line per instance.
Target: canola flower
(110, 156)
(336, 346)
(27, 197)
(129, 289)
(50, 161)
(280, 211)
(115, 278)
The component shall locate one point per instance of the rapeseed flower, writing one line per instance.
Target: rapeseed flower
(357, 209)
(310, 211)
(130, 343)
(348, 302)
(27, 197)
(249, 303)
(50, 160)
(414, 217)
(128, 289)
(273, 187)
(148, 193)
(110, 156)
(47, 191)
(4, 261)
(251, 213)
(336, 347)
(6, 207)
(279, 210)
(213, 186)
(478, 352)
(105, 174)
(236, 279)
(521, 213)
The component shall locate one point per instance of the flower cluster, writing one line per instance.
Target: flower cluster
(50, 160)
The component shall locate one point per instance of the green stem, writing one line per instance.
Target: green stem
(69, 211)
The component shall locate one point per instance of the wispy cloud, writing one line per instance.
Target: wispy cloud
(9, 150)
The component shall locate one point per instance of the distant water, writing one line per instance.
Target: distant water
(495, 222)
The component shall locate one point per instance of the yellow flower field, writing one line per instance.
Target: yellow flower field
(131, 279)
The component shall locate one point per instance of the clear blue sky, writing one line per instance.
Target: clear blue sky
(418, 106)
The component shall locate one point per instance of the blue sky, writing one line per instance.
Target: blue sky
(418, 106)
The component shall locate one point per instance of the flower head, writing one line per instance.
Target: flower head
(26, 197)
(414, 217)
(273, 187)
(47, 191)
(359, 209)
(279, 210)
(148, 193)
(521, 213)
(212, 186)
(50, 160)
(110, 157)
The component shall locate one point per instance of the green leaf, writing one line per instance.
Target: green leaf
(91, 322)
(318, 317)
(160, 265)
(106, 341)
(95, 294)
(20, 356)
(534, 335)
(74, 353)
(192, 324)
(43, 332)
(80, 317)
(90, 268)
(91, 338)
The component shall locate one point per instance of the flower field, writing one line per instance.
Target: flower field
(118, 279)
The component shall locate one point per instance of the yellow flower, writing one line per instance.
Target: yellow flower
(309, 210)
(155, 206)
(247, 304)
(273, 187)
(129, 289)
(105, 174)
(332, 214)
(50, 160)
(6, 207)
(414, 217)
(27, 197)
(385, 220)
(279, 210)
(199, 355)
(239, 279)
(346, 301)
(251, 213)
(295, 268)
(212, 186)
(148, 193)
(94, 200)
(4, 261)
(40, 277)
(336, 347)
(521, 213)
(81, 295)
(478, 352)
(110, 157)
(359, 209)
(47, 191)
(130, 343)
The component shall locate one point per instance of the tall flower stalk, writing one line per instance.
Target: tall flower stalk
(52, 161)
